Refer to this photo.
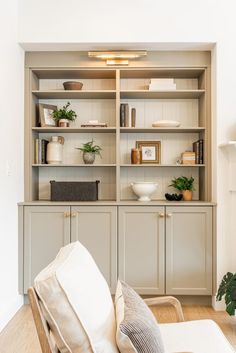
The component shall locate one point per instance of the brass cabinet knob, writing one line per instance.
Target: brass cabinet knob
(161, 215)
(74, 214)
(66, 214)
(169, 215)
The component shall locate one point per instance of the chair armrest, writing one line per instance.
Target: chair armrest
(167, 301)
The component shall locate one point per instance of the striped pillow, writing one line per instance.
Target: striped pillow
(137, 329)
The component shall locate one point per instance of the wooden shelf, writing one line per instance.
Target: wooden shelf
(163, 165)
(176, 94)
(74, 129)
(61, 94)
(72, 165)
(161, 72)
(161, 129)
(73, 73)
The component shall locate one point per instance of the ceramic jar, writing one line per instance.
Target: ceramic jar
(54, 150)
(135, 156)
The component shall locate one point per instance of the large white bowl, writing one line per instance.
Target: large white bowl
(144, 190)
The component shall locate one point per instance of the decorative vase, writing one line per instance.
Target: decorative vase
(187, 195)
(88, 157)
(64, 123)
(54, 150)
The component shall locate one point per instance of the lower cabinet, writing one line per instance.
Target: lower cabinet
(48, 228)
(142, 248)
(157, 249)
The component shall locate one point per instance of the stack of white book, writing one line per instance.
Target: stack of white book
(162, 84)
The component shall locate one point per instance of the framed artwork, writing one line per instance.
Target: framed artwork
(45, 115)
(150, 151)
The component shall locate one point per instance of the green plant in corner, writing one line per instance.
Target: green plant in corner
(183, 183)
(64, 113)
(227, 289)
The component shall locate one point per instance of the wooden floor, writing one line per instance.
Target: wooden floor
(20, 335)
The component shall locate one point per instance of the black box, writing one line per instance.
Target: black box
(74, 190)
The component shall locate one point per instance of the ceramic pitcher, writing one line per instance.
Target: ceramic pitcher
(55, 149)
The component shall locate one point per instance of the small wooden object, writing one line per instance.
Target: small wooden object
(135, 156)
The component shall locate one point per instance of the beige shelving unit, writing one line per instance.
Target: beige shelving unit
(103, 91)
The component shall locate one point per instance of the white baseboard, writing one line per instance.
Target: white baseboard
(218, 306)
(10, 312)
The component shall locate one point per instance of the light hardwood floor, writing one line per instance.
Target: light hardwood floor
(20, 335)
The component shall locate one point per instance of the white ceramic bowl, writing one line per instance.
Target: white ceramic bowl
(144, 190)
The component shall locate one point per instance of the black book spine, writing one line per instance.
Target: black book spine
(196, 149)
(201, 152)
(44, 151)
(122, 115)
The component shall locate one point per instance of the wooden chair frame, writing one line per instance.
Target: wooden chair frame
(43, 329)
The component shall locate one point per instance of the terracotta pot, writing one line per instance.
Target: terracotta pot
(187, 195)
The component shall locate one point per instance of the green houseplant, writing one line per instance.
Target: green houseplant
(227, 289)
(64, 116)
(185, 186)
(90, 151)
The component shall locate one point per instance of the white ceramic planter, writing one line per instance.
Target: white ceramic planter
(54, 150)
(144, 190)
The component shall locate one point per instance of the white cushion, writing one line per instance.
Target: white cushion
(77, 303)
(202, 336)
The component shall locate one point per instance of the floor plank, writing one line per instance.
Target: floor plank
(20, 334)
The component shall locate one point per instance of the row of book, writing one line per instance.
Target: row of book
(41, 151)
(162, 84)
(198, 148)
(127, 115)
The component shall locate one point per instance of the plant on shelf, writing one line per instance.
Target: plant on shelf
(185, 185)
(89, 152)
(227, 289)
(64, 116)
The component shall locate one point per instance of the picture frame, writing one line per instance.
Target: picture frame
(45, 115)
(150, 151)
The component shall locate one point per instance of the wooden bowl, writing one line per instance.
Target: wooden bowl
(72, 85)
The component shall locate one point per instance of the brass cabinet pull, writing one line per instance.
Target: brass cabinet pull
(66, 214)
(169, 215)
(161, 215)
(74, 214)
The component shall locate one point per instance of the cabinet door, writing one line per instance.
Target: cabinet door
(46, 230)
(96, 228)
(142, 248)
(189, 250)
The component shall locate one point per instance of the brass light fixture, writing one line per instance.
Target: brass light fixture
(117, 57)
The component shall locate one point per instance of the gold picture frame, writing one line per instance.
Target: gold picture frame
(45, 115)
(150, 151)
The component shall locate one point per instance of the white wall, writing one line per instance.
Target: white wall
(153, 21)
(11, 158)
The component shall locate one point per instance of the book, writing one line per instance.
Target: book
(198, 148)
(41, 151)
(188, 157)
(127, 115)
(94, 125)
(122, 115)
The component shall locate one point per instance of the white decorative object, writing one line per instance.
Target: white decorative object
(77, 303)
(54, 150)
(144, 190)
(166, 123)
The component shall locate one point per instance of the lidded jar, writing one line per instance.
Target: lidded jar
(55, 149)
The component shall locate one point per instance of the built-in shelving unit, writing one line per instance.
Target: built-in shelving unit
(104, 89)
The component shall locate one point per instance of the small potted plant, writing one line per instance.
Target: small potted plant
(64, 116)
(227, 289)
(185, 185)
(89, 152)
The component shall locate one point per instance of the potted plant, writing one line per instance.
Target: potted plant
(89, 152)
(64, 116)
(227, 289)
(185, 185)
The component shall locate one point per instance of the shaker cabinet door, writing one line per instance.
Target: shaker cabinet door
(46, 230)
(189, 250)
(142, 248)
(96, 228)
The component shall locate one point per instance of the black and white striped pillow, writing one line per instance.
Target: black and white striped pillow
(137, 329)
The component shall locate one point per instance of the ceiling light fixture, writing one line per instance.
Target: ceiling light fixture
(117, 57)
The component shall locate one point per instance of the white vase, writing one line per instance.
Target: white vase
(54, 150)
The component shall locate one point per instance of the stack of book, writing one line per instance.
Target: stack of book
(94, 123)
(162, 84)
(188, 157)
(198, 148)
(41, 151)
(125, 115)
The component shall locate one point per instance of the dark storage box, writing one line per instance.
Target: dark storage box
(74, 190)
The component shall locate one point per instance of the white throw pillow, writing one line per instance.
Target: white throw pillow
(77, 303)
